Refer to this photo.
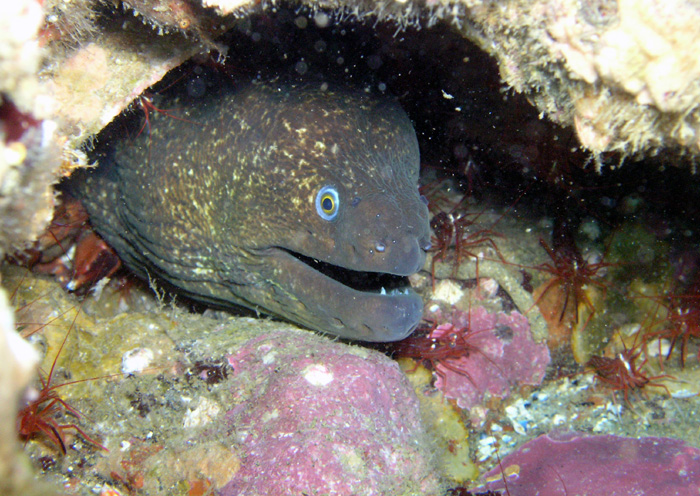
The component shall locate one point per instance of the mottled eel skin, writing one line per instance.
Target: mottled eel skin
(288, 198)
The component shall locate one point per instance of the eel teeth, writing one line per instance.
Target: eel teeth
(394, 291)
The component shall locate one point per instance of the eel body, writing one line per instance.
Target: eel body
(300, 201)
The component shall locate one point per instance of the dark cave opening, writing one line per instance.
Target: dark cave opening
(483, 138)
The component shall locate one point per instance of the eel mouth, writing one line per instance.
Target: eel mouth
(351, 304)
(363, 281)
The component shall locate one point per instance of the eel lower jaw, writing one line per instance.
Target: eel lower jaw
(366, 306)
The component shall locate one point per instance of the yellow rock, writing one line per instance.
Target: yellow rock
(444, 423)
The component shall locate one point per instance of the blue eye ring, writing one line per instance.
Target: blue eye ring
(327, 203)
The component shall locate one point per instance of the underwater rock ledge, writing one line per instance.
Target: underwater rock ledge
(623, 73)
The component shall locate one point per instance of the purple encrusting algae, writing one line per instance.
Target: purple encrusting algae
(570, 464)
(325, 418)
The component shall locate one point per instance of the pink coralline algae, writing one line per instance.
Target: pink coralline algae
(501, 354)
(317, 417)
(553, 465)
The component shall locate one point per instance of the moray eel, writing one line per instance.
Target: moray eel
(296, 200)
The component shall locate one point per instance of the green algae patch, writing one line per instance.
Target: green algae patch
(634, 246)
(89, 345)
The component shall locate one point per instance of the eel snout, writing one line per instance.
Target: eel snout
(386, 238)
(402, 257)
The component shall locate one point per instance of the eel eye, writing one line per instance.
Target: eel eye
(327, 203)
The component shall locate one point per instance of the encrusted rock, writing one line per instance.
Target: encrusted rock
(325, 418)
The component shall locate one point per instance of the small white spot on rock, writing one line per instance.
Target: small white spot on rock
(205, 412)
(269, 358)
(661, 347)
(317, 375)
(558, 419)
(489, 286)
(267, 416)
(136, 360)
(448, 291)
